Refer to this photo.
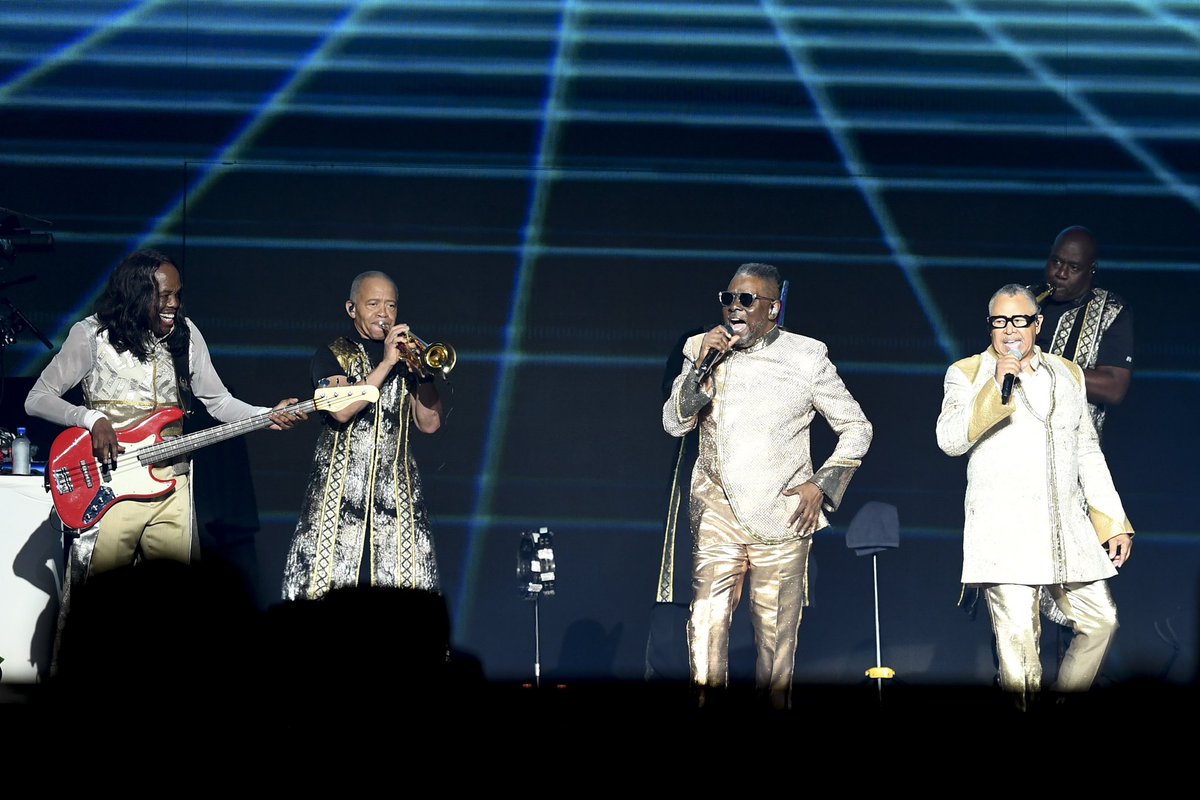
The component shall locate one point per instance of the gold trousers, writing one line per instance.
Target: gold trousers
(1016, 623)
(162, 528)
(723, 561)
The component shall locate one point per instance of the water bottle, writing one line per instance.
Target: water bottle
(20, 453)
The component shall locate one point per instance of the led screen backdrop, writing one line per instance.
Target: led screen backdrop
(560, 188)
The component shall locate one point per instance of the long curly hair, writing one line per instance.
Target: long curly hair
(129, 299)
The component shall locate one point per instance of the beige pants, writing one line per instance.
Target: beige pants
(162, 528)
(1016, 622)
(724, 560)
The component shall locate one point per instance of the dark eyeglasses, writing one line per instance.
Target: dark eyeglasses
(745, 299)
(1016, 320)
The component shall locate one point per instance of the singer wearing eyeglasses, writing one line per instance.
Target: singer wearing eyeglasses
(753, 390)
(1041, 509)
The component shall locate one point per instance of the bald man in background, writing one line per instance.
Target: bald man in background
(1090, 326)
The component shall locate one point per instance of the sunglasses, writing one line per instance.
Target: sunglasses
(1016, 320)
(745, 299)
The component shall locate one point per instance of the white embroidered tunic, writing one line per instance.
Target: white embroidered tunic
(1040, 499)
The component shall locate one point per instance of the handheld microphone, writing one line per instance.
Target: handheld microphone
(1007, 387)
(711, 358)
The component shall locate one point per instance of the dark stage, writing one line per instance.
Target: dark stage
(559, 189)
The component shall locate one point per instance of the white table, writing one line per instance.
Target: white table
(31, 570)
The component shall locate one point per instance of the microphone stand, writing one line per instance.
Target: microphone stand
(535, 578)
(9, 329)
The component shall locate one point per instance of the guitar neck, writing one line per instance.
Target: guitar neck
(179, 445)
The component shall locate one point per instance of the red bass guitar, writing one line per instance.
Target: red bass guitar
(84, 490)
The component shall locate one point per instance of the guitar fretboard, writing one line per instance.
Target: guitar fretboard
(179, 445)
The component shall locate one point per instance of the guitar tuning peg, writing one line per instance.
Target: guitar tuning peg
(323, 383)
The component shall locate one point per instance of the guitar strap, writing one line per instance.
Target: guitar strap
(183, 380)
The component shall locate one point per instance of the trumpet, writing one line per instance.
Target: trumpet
(1041, 291)
(424, 357)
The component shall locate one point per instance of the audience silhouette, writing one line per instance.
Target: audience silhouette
(164, 636)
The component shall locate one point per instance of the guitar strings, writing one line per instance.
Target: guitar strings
(169, 448)
(179, 445)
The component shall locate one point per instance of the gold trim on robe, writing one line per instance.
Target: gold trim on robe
(364, 497)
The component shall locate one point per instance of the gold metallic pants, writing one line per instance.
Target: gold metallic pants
(162, 528)
(1016, 623)
(723, 560)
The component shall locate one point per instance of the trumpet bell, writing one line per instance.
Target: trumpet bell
(439, 356)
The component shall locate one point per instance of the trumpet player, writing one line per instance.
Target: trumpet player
(363, 520)
(1088, 325)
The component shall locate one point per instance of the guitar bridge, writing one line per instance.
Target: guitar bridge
(63, 482)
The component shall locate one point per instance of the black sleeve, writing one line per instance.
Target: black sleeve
(1116, 346)
(324, 365)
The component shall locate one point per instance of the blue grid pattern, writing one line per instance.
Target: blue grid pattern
(899, 159)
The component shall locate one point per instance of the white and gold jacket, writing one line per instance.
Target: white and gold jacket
(754, 433)
(1040, 500)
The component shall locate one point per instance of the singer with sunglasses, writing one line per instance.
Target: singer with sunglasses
(1041, 511)
(753, 389)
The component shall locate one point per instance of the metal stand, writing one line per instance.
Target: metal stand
(537, 644)
(535, 579)
(878, 672)
(875, 529)
(14, 322)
